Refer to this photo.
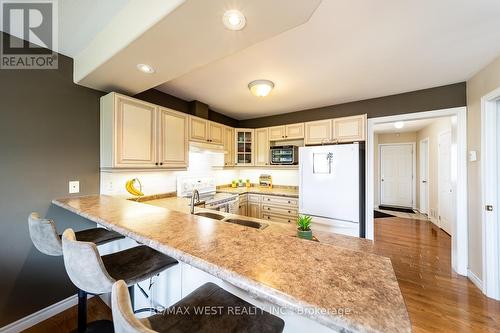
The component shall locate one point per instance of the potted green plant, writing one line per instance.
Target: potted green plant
(304, 227)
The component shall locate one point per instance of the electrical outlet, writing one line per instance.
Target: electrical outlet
(74, 186)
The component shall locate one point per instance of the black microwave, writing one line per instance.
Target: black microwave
(284, 155)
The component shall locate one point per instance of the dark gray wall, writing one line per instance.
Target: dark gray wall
(194, 107)
(449, 96)
(49, 134)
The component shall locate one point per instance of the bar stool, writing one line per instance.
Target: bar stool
(191, 319)
(44, 235)
(96, 275)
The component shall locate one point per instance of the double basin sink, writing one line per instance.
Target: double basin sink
(245, 223)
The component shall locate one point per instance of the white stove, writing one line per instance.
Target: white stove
(225, 202)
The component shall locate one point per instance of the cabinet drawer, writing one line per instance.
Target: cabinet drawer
(281, 201)
(275, 218)
(287, 211)
(254, 198)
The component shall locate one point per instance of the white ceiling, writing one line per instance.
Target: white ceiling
(351, 50)
(80, 21)
(409, 126)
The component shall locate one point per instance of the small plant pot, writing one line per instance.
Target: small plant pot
(305, 234)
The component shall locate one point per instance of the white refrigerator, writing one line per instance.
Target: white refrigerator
(330, 185)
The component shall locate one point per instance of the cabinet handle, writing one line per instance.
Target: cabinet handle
(289, 211)
(268, 217)
(288, 201)
(268, 208)
(156, 163)
(288, 221)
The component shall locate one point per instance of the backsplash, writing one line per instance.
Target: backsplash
(200, 164)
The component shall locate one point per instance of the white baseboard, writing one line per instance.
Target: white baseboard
(39, 316)
(477, 281)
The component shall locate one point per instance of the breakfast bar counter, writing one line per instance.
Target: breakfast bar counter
(340, 288)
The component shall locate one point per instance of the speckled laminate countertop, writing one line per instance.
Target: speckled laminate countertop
(268, 265)
(280, 191)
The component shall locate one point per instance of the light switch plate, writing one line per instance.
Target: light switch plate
(472, 156)
(74, 186)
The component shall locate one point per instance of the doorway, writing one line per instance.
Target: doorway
(424, 176)
(459, 235)
(445, 184)
(397, 166)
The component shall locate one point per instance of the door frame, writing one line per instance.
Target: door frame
(439, 172)
(459, 244)
(414, 170)
(490, 195)
(427, 201)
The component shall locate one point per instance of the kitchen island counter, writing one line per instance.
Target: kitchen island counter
(347, 290)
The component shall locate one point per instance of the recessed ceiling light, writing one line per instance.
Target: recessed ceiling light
(261, 88)
(234, 20)
(145, 68)
(399, 124)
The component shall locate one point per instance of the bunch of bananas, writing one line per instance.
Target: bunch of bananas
(130, 187)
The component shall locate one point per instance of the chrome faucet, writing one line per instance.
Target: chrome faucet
(196, 196)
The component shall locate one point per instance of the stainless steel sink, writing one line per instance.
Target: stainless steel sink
(247, 223)
(210, 215)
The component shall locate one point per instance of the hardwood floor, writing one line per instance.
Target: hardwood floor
(65, 321)
(438, 300)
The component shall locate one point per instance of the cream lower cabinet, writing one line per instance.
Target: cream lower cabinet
(136, 134)
(279, 209)
(349, 129)
(318, 132)
(261, 147)
(254, 205)
(243, 205)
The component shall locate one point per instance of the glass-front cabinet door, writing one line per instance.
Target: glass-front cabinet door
(244, 146)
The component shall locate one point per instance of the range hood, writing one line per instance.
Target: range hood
(202, 147)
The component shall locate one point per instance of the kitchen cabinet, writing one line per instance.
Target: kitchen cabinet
(215, 133)
(229, 146)
(294, 131)
(277, 133)
(173, 138)
(198, 129)
(349, 129)
(279, 209)
(261, 147)
(244, 147)
(318, 132)
(136, 134)
(243, 204)
(286, 132)
(128, 132)
(253, 210)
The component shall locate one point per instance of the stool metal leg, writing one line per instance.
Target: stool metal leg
(82, 311)
(131, 290)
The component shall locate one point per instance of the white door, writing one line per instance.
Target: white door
(445, 189)
(424, 176)
(396, 175)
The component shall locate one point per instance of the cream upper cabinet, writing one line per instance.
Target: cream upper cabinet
(290, 132)
(215, 133)
(244, 146)
(198, 129)
(138, 135)
(349, 129)
(262, 146)
(318, 132)
(229, 146)
(277, 133)
(173, 140)
(128, 132)
(294, 131)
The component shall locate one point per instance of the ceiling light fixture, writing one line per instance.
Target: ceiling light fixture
(234, 20)
(261, 88)
(145, 68)
(399, 124)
